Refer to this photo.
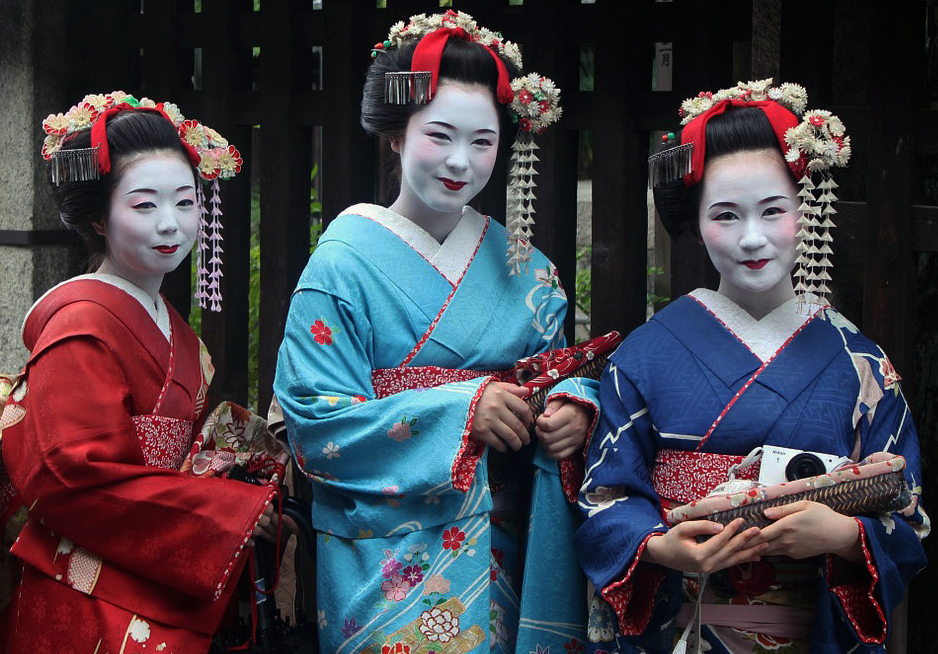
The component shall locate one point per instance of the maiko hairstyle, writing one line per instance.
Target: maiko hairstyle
(462, 61)
(83, 204)
(738, 129)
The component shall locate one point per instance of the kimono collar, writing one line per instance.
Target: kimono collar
(451, 257)
(764, 337)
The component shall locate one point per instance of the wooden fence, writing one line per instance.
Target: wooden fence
(293, 104)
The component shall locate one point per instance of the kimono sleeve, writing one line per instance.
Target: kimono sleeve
(619, 504)
(891, 542)
(75, 459)
(339, 430)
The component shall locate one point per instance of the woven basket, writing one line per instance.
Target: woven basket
(875, 485)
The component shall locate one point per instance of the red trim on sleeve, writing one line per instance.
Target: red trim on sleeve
(858, 600)
(632, 596)
(471, 450)
(573, 467)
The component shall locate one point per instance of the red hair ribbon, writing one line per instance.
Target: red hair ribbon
(695, 132)
(429, 52)
(99, 135)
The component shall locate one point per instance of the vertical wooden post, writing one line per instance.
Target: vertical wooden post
(889, 283)
(624, 52)
(286, 152)
(348, 154)
(555, 221)
(226, 334)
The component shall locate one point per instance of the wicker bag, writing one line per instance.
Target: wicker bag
(876, 484)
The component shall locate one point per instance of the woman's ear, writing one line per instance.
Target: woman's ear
(98, 227)
(396, 143)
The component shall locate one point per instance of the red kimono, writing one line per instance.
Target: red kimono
(121, 553)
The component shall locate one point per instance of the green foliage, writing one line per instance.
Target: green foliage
(651, 299)
(254, 294)
(584, 280)
(584, 283)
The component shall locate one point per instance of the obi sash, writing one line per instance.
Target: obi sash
(681, 476)
(388, 381)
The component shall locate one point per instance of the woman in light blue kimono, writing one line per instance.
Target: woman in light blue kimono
(760, 362)
(441, 524)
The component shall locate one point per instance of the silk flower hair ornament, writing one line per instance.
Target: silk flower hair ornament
(533, 103)
(208, 152)
(812, 142)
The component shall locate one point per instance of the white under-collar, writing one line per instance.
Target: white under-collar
(158, 311)
(451, 257)
(764, 337)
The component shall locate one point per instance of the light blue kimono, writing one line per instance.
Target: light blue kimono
(408, 562)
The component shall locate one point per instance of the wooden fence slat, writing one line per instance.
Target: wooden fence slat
(889, 283)
(284, 180)
(226, 334)
(623, 55)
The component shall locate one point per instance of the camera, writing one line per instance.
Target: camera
(781, 464)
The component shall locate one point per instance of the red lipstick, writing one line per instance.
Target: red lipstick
(451, 184)
(756, 265)
(166, 249)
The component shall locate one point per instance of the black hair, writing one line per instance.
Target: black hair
(738, 129)
(84, 204)
(462, 61)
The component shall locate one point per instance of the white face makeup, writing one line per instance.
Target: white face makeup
(748, 222)
(447, 155)
(153, 220)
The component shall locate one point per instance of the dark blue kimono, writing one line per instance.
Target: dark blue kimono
(702, 375)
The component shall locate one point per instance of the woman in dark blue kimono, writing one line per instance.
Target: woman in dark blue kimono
(764, 360)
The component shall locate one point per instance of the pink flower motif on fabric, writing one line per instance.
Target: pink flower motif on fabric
(890, 376)
(403, 430)
(395, 589)
(322, 334)
(390, 569)
(436, 584)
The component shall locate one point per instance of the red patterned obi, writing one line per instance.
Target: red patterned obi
(680, 476)
(388, 381)
(164, 441)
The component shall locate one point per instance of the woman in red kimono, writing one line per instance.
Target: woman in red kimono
(120, 551)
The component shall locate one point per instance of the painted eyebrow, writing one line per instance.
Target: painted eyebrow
(185, 187)
(445, 124)
(768, 200)
(723, 203)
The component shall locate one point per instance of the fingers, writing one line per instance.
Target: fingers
(517, 406)
(560, 448)
(562, 428)
(679, 548)
(502, 418)
(551, 408)
(730, 546)
(511, 431)
(517, 391)
(777, 512)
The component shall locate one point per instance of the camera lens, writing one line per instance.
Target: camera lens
(804, 465)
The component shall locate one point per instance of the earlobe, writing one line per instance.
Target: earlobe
(396, 142)
(98, 227)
